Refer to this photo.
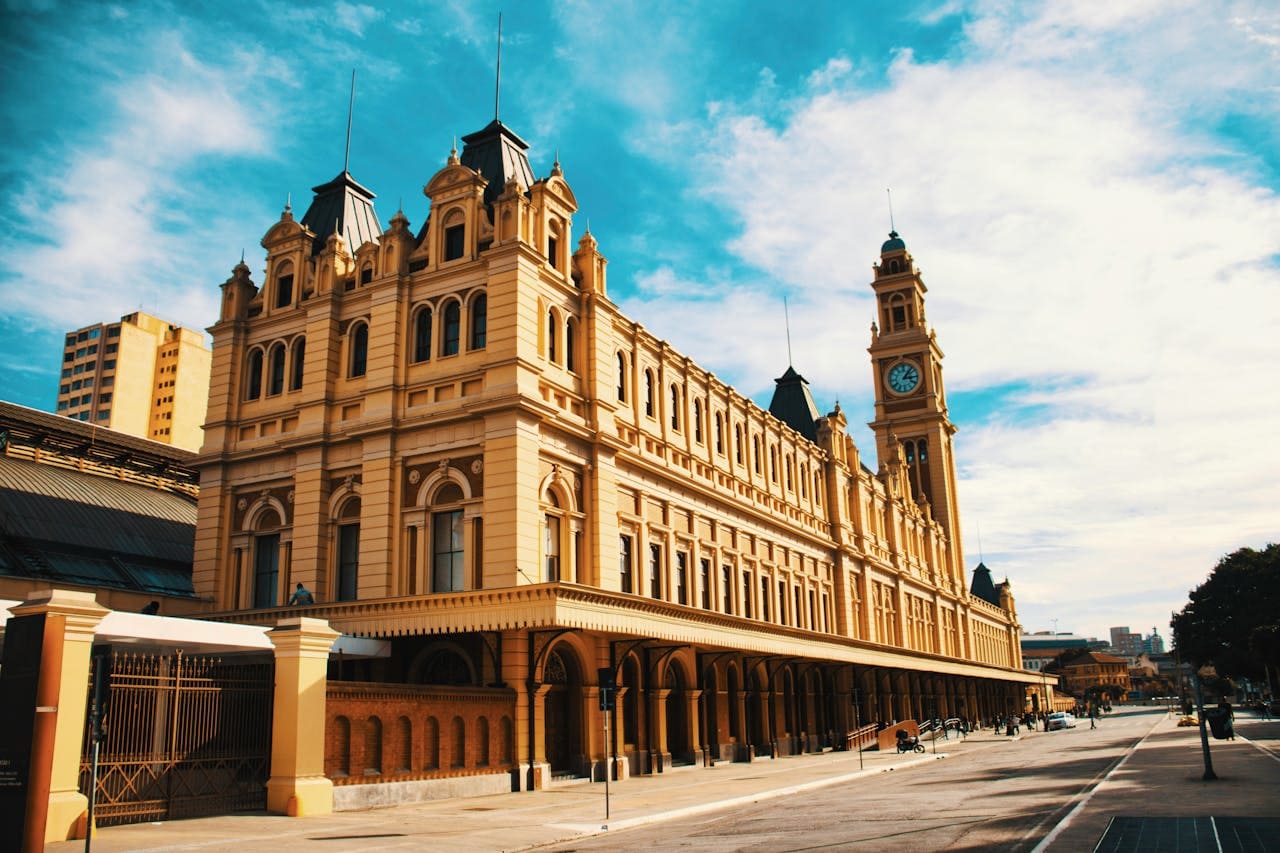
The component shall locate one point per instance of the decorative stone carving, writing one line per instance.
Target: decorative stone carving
(477, 465)
(242, 504)
(415, 477)
(289, 497)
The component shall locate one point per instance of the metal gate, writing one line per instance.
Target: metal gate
(185, 737)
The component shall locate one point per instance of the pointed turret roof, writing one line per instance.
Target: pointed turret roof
(983, 587)
(498, 154)
(345, 204)
(793, 404)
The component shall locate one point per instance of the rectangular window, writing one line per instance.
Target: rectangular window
(782, 602)
(726, 587)
(88, 382)
(104, 398)
(446, 562)
(111, 348)
(77, 385)
(93, 334)
(551, 548)
(266, 569)
(704, 581)
(655, 571)
(624, 563)
(348, 562)
(71, 341)
(764, 599)
(65, 389)
(67, 357)
(92, 349)
(80, 353)
(746, 594)
(109, 364)
(682, 570)
(62, 406)
(108, 381)
(66, 371)
(113, 332)
(79, 368)
(454, 242)
(104, 415)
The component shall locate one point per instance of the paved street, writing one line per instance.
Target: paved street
(1053, 792)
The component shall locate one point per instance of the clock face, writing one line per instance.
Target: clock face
(904, 377)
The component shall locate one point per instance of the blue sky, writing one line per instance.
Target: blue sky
(1090, 188)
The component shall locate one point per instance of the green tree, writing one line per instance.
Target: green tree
(1231, 620)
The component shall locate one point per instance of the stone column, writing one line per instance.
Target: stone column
(55, 807)
(298, 786)
(659, 755)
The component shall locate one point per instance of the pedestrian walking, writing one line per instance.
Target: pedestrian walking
(1093, 719)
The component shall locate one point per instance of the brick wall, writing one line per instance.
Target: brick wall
(400, 732)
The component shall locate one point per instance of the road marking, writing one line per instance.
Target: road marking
(1216, 839)
(1071, 815)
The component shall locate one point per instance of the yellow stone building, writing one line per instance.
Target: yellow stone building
(142, 376)
(454, 440)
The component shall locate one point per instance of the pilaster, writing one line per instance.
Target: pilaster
(298, 786)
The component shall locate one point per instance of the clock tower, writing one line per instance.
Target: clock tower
(911, 402)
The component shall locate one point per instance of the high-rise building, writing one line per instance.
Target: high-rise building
(454, 440)
(142, 376)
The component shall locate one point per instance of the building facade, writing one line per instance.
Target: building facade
(454, 440)
(142, 376)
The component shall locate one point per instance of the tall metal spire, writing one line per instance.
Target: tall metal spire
(786, 313)
(497, 83)
(351, 106)
(889, 193)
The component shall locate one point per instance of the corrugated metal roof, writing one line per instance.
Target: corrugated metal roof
(61, 524)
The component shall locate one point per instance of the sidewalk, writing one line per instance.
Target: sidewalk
(1162, 778)
(507, 822)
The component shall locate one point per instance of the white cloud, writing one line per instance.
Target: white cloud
(355, 17)
(109, 213)
(1079, 247)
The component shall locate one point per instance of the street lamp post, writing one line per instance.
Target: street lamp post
(1209, 775)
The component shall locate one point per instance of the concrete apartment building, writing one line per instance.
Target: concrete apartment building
(142, 376)
(453, 438)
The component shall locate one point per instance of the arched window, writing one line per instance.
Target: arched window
(788, 466)
(458, 743)
(773, 463)
(366, 273)
(266, 558)
(431, 744)
(447, 544)
(570, 339)
(804, 480)
(348, 551)
(284, 285)
(373, 746)
(422, 334)
(553, 245)
(359, 350)
(622, 378)
(452, 328)
(755, 452)
(479, 321)
(275, 373)
(253, 375)
(553, 332)
(675, 407)
(719, 434)
(298, 364)
(737, 443)
(648, 393)
(697, 421)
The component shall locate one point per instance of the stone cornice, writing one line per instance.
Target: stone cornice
(563, 605)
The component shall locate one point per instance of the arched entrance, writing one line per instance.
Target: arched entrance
(560, 712)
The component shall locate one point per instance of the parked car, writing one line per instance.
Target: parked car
(1060, 720)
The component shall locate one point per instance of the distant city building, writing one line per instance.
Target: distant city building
(1043, 646)
(142, 376)
(1131, 644)
(1095, 670)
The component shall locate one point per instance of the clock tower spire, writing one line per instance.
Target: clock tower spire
(911, 402)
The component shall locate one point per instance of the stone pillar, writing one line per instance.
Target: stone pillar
(660, 756)
(298, 786)
(55, 807)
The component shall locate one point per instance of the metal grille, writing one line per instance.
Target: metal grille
(185, 737)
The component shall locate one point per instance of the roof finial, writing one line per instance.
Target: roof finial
(893, 231)
(351, 105)
(288, 202)
(786, 313)
(242, 256)
(497, 83)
